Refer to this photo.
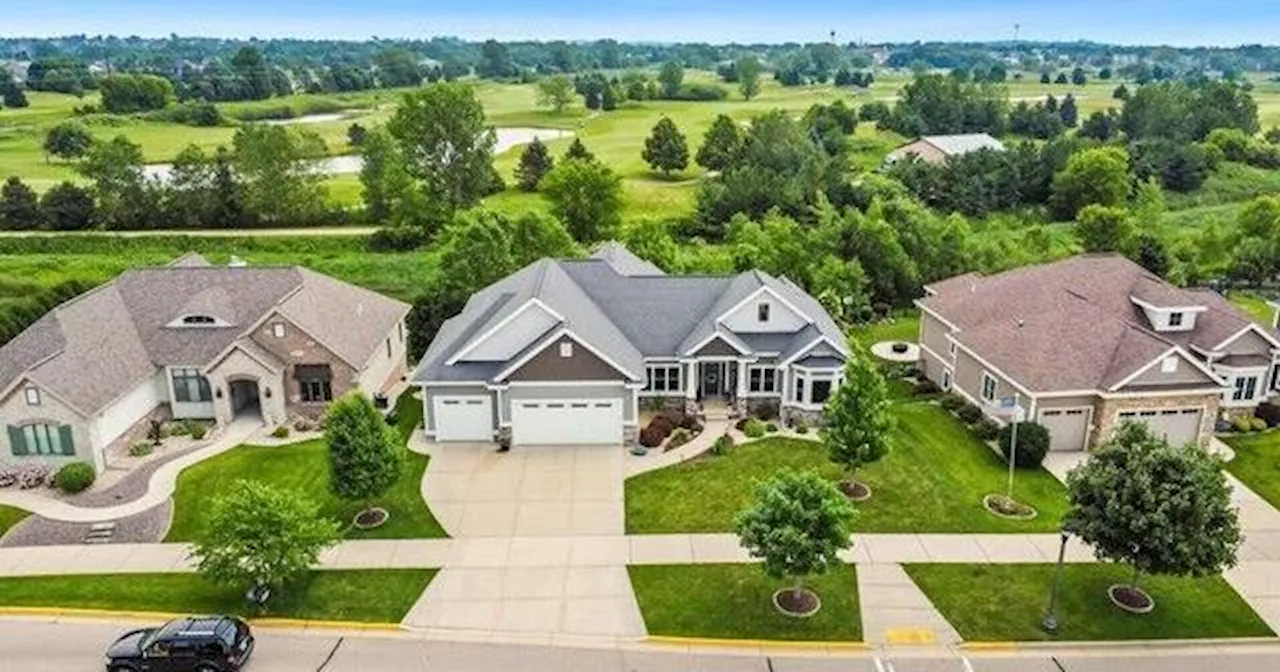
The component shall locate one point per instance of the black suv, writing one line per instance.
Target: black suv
(195, 644)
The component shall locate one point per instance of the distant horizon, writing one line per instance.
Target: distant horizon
(1130, 23)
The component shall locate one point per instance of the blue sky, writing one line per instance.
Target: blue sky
(1175, 22)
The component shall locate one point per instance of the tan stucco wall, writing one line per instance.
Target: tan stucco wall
(298, 347)
(1106, 411)
(239, 366)
(381, 371)
(15, 411)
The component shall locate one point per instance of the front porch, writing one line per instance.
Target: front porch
(728, 387)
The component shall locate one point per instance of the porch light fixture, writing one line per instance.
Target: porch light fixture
(217, 392)
(266, 392)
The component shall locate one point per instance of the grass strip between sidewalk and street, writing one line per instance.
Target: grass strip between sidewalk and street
(1007, 603)
(366, 596)
(735, 601)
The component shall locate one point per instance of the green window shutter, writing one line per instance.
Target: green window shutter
(68, 445)
(17, 443)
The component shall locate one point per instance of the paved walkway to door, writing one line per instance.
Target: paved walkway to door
(476, 491)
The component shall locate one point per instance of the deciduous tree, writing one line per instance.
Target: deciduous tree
(68, 207)
(447, 146)
(797, 524)
(275, 166)
(119, 185)
(1103, 228)
(671, 77)
(68, 140)
(555, 92)
(1092, 176)
(721, 144)
(749, 77)
(1162, 509)
(665, 149)
(587, 196)
(859, 423)
(259, 534)
(366, 455)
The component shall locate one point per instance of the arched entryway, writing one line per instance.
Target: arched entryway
(245, 400)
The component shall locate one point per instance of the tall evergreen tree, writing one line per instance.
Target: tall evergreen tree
(535, 162)
(1070, 115)
(577, 150)
(19, 207)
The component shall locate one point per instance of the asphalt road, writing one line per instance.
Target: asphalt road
(36, 646)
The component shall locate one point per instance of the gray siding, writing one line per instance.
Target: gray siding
(1249, 344)
(933, 335)
(582, 365)
(717, 348)
(429, 421)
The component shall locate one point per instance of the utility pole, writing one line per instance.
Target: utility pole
(1016, 27)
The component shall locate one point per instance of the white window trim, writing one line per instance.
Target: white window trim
(804, 384)
(777, 381)
(667, 390)
(33, 396)
(763, 312)
(566, 349)
(1233, 376)
(995, 387)
(277, 329)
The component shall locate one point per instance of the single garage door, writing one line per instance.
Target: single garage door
(1067, 427)
(561, 422)
(1179, 425)
(467, 418)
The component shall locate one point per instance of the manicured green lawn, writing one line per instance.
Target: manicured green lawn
(1252, 304)
(1007, 602)
(1257, 463)
(305, 466)
(10, 516)
(932, 481)
(371, 595)
(734, 601)
(903, 327)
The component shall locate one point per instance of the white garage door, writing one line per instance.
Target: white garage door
(561, 422)
(1179, 425)
(1067, 427)
(463, 418)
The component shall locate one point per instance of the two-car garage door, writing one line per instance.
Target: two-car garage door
(566, 421)
(1179, 425)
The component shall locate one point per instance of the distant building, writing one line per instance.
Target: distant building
(938, 148)
(16, 69)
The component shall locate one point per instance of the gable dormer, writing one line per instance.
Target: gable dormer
(1169, 316)
(764, 311)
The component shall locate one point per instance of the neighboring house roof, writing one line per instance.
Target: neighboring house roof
(97, 346)
(623, 261)
(951, 145)
(1073, 324)
(954, 145)
(623, 307)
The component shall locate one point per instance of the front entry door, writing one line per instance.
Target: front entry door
(711, 382)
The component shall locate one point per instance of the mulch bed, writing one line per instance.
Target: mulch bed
(855, 491)
(1003, 507)
(371, 518)
(1131, 599)
(804, 605)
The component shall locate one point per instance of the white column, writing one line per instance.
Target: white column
(691, 380)
(742, 379)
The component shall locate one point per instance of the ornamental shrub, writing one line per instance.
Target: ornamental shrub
(1033, 444)
(74, 477)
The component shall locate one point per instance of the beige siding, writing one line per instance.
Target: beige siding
(1065, 402)
(1186, 374)
(920, 148)
(968, 378)
(15, 412)
(1249, 343)
(933, 338)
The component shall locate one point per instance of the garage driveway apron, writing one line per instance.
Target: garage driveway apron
(508, 502)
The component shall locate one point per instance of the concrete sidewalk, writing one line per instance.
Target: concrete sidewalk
(564, 551)
(159, 489)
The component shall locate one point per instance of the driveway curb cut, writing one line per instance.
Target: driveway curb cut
(267, 622)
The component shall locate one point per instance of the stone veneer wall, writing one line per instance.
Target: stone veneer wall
(792, 415)
(768, 408)
(1106, 412)
(677, 406)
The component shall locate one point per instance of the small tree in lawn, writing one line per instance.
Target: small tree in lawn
(1162, 509)
(259, 535)
(858, 422)
(666, 149)
(797, 524)
(365, 454)
(535, 162)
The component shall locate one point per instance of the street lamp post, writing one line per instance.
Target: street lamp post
(1013, 446)
(1050, 623)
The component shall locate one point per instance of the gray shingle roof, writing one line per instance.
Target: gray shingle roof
(101, 344)
(626, 315)
(1071, 324)
(623, 261)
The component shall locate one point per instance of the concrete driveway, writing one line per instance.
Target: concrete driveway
(476, 491)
